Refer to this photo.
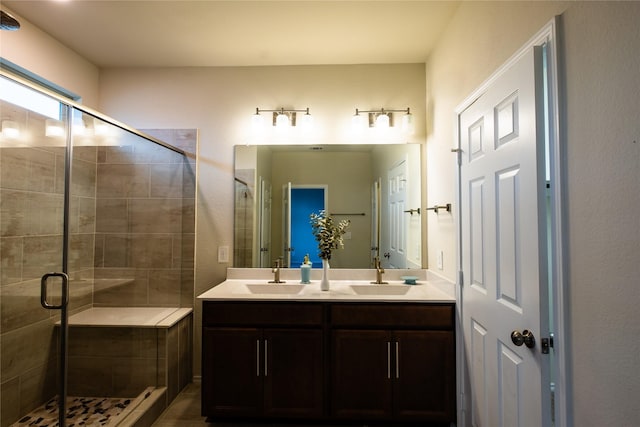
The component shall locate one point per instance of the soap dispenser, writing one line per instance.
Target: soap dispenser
(305, 270)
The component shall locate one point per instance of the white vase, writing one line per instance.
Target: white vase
(324, 283)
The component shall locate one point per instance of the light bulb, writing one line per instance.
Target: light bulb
(10, 129)
(358, 122)
(382, 121)
(53, 128)
(282, 121)
(306, 122)
(407, 124)
(257, 122)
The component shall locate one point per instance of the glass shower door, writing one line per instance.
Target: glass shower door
(33, 172)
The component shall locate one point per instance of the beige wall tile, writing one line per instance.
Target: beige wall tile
(112, 215)
(26, 213)
(28, 169)
(11, 260)
(99, 369)
(83, 178)
(155, 215)
(120, 287)
(26, 348)
(10, 401)
(164, 287)
(166, 180)
(81, 247)
(122, 180)
(21, 305)
(38, 385)
(45, 254)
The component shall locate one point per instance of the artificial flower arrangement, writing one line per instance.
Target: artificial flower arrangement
(327, 233)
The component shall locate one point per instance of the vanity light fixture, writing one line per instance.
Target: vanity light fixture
(54, 128)
(10, 129)
(282, 118)
(382, 119)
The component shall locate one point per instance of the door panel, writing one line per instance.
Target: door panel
(361, 380)
(293, 373)
(424, 375)
(232, 375)
(397, 185)
(503, 246)
(286, 224)
(265, 224)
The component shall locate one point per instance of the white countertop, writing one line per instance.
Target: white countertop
(340, 290)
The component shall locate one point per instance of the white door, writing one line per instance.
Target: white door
(265, 224)
(375, 220)
(286, 224)
(504, 265)
(397, 187)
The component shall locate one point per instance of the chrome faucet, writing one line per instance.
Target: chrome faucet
(276, 271)
(379, 273)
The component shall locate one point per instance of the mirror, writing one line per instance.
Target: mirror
(377, 187)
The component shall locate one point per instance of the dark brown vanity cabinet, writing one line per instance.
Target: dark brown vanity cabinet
(330, 360)
(393, 362)
(262, 360)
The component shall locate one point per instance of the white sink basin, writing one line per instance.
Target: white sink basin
(380, 289)
(275, 288)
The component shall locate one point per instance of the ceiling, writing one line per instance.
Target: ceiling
(163, 33)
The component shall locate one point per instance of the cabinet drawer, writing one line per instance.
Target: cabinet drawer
(430, 316)
(261, 314)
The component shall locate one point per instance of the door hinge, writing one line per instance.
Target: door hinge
(546, 343)
(460, 277)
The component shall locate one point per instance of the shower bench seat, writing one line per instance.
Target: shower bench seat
(121, 351)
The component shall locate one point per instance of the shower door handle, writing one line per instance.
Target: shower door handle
(64, 294)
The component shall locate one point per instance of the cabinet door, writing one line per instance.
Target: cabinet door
(424, 375)
(293, 373)
(361, 374)
(231, 376)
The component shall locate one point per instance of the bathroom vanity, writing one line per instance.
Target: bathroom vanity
(357, 352)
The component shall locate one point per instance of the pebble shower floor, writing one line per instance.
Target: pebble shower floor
(81, 411)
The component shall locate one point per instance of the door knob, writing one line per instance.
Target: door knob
(525, 337)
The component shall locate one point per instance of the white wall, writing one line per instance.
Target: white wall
(602, 166)
(36, 51)
(603, 169)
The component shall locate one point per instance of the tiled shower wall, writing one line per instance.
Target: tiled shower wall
(244, 217)
(131, 243)
(145, 223)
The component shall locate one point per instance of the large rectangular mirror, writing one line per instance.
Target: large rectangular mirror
(376, 187)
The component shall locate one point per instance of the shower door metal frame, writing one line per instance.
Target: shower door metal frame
(64, 302)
